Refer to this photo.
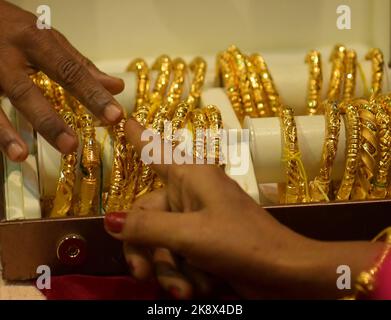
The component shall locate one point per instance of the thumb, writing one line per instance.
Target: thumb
(151, 228)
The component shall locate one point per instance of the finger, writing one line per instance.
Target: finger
(63, 68)
(138, 260)
(28, 99)
(113, 84)
(146, 228)
(10, 141)
(203, 283)
(169, 276)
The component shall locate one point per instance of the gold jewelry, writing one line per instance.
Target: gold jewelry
(314, 105)
(337, 72)
(199, 125)
(366, 280)
(296, 186)
(215, 124)
(244, 81)
(369, 150)
(353, 146)
(267, 83)
(226, 75)
(142, 93)
(320, 186)
(350, 75)
(198, 67)
(381, 180)
(175, 90)
(376, 56)
(258, 94)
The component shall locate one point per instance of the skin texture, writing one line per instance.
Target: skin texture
(25, 49)
(207, 220)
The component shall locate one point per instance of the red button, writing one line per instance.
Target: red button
(72, 250)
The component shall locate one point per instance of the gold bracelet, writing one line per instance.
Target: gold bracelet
(90, 158)
(376, 56)
(320, 186)
(350, 75)
(381, 180)
(215, 124)
(314, 105)
(142, 93)
(353, 146)
(366, 281)
(198, 67)
(226, 75)
(244, 82)
(267, 83)
(296, 186)
(337, 59)
(258, 94)
(369, 150)
(199, 125)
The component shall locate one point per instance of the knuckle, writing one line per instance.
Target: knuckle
(19, 89)
(136, 225)
(5, 137)
(97, 98)
(70, 71)
(46, 123)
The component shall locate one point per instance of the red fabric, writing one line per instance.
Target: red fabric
(383, 281)
(81, 287)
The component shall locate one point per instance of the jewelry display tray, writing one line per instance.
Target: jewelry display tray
(80, 245)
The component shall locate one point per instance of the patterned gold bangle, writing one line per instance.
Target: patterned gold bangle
(198, 67)
(376, 56)
(381, 177)
(215, 124)
(244, 82)
(90, 159)
(296, 186)
(337, 59)
(369, 150)
(226, 73)
(314, 105)
(353, 147)
(267, 83)
(350, 75)
(199, 125)
(142, 93)
(176, 87)
(320, 186)
(366, 281)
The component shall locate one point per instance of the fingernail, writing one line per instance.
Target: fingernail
(114, 221)
(14, 151)
(66, 142)
(112, 113)
(175, 292)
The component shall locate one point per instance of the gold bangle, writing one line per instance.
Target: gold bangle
(381, 180)
(376, 56)
(198, 67)
(199, 125)
(314, 105)
(296, 186)
(215, 124)
(267, 83)
(320, 186)
(369, 150)
(353, 146)
(142, 93)
(244, 82)
(337, 59)
(350, 75)
(226, 75)
(366, 281)
(258, 94)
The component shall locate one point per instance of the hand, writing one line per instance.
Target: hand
(206, 218)
(25, 49)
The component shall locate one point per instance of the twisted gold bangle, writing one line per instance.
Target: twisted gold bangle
(353, 146)
(296, 186)
(320, 186)
(175, 90)
(376, 56)
(267, 83)
(198, 67)
(350, 75)
(337, 73)
(314, 106)
(381, 180)
(142, 93)
(244, 81)
(226, 74)
(369, 150)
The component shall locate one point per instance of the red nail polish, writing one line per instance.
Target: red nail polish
(114, 221)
